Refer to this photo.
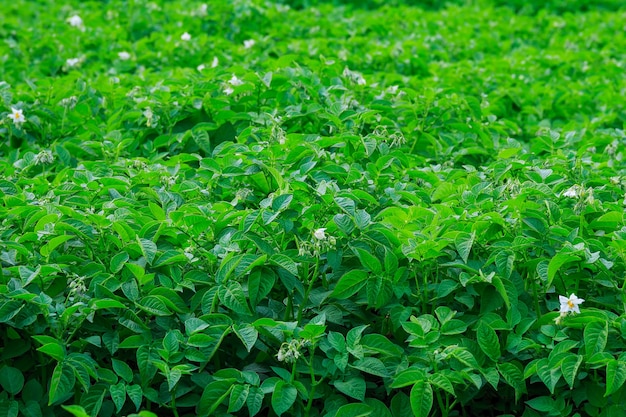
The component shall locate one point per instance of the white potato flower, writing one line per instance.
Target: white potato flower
(234, 81)
(185, 37)
(124, 56)
(320, 233)
(17, 116)
(572, 192)
(570, 305)
(72, 62)
(249, 43)
(75, 21)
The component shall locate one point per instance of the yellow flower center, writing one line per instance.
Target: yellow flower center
(16, 115)
(570, 304)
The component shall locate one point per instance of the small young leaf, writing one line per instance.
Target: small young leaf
(118, 395)
(463, 244)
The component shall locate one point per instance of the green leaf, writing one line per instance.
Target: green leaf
(408, 377)
(488, 341)
(283, 397)
(346, 205)
(354, 410)
(11, 380)
(569, 368)
(615, 376)
(76, 410)
(281, 202)
(550, 376)
(499, 286)
(543, 404)
(514, 377)
(260, 283)
(421, 398)
(118, 395)
(247, 334)
(453, 326)
(54, 243)
(148, 249)
(443, 382)
(504, 262)
(344, 223)
(465, 357)
(213, 395)
(154, 304)
(233, 297)
(285, 262)
(557, 262)
(170, 257)
(10, 408)
(122, 370)
(373, 366)
(254, 402)
(170, 342)
(463, 243)
(61, 383)
(595, 337)
(92, 400)
(362, 219)
(352, 387)
(135, 394)
(238, 397)
(118, 261)
(9, 309)
(369, 261)
(349, 284)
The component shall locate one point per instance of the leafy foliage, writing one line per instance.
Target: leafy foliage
(312, 208)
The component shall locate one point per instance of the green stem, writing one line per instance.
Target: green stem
(174, 410)
(536, 296)
(312, 280)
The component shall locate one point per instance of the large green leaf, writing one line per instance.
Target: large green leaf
(352, 387)
(11, 380)
(214, 394)
(232, 296)
(61, 383)
(283, 397)
(488, 341)
(349, 284)
(421, 398)
(354, 410)
(615, 376)
(595, 337)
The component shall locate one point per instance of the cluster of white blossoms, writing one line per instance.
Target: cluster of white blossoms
(44, 157)
(568, 305)
(233, 82)
(354, 76)
(249, 43)
(124, 56)
(289, 352)
(185, 37)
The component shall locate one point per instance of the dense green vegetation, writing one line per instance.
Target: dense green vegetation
(312, 208)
